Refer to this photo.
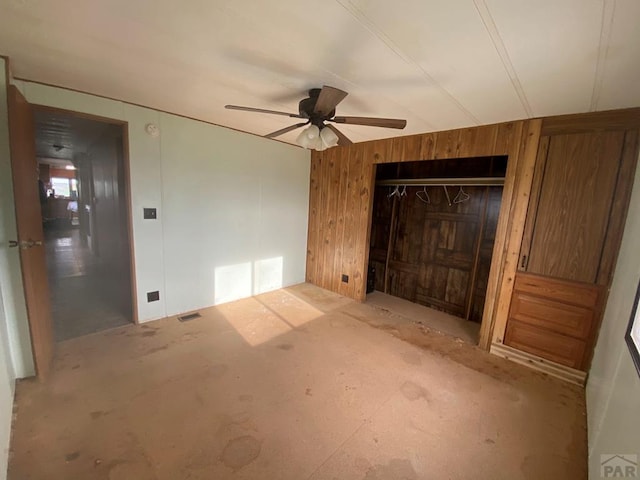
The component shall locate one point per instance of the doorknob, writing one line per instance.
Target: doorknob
(24, 244)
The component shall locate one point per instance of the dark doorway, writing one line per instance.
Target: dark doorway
(82, 183)
(432, 235)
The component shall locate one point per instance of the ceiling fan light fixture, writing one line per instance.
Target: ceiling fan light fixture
(313, 138)
(328, 137)
(303, 139)
(309, 137)
(313, 132)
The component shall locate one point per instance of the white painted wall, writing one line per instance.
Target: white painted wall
(232, 220)
(230, 205)
(235, 214)
(12, 307)
(613, 388)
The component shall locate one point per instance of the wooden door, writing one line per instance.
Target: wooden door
(30, 234)
(576, 194)
(573, 230)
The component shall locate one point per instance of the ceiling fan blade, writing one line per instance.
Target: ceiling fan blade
(282, 131)
(328, 99)
(343, 141)
(372, 122)
(262, 110)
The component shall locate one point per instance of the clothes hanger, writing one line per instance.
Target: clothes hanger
(397, 192)
(461, 197)
(446, 192)
(423, 196)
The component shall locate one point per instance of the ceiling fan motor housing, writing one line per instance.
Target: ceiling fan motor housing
(307, 106)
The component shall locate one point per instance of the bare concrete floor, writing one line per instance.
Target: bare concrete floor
(294, 384)
(402, 310)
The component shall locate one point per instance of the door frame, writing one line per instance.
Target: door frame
(124, 125)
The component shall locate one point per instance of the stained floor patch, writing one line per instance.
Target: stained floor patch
(70, 457)
(396, 469)
(241, 451)
(413, 391)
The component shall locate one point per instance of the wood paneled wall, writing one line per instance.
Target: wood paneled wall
(341, 196)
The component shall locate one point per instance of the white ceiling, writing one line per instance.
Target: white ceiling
(440, 64)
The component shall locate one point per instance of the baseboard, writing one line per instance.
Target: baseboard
(562, 372)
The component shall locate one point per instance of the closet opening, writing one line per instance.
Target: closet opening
(432, 233)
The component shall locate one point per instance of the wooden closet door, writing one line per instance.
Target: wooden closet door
(575, 198)
(579, 196)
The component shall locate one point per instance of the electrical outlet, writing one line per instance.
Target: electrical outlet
(153, 296)
(150, 214)
(345, 278)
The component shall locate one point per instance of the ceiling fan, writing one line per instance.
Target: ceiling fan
(317, 109)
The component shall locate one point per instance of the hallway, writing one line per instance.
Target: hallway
(85, 297)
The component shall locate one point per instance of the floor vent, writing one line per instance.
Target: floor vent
(190, 316)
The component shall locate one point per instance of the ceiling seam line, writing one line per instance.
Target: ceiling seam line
(492, 29)
(606, 27)
(363, 20)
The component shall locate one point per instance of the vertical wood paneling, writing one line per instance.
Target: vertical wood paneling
(406, 149)
(355, 158)
(508, 141)
(313, 249)
(427, 146)
(366, 185)
(336, 248)
(446, 144)
(473, 141)
(508, 137)
(342, 165)
(510, 231)
(329, 237)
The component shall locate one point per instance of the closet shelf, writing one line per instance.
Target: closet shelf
(444, 182)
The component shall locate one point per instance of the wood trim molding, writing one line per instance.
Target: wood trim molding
(512, 148)
(509, 236)
(129, 201)
(624, 119)
(553, 369)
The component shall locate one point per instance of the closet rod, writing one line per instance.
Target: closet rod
(446, 182)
